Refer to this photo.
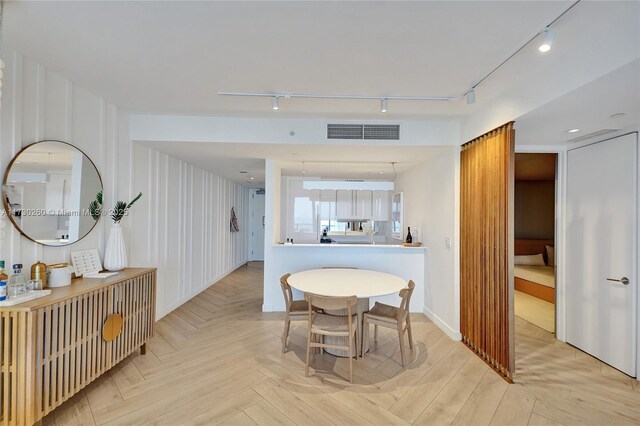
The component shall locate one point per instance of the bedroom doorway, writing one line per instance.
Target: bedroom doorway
(534, 245)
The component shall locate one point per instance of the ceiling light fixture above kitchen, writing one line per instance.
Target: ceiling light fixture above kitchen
(304, 171)
(275, 103)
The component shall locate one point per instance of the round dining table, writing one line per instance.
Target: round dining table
(343, 282)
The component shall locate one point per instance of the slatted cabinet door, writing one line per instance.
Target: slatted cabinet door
(53, 347)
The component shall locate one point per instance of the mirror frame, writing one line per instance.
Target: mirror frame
(4, 183)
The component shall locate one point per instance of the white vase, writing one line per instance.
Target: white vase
(115, 255)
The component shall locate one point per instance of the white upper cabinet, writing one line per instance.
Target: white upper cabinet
(363, 204)
(328, 204)
(344, 204)
(380, 206)
(353, 204)
(302, 213)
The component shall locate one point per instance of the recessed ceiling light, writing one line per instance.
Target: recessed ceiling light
(618, 115)
(573, 130)
(381, 173)
(251, 178)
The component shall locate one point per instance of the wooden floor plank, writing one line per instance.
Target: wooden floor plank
(217, 360)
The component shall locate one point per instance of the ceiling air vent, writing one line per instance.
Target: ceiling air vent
(364, 131)
(592, 135)
(344, 131)
(382, 131)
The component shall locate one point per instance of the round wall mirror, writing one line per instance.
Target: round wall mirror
(48, 191)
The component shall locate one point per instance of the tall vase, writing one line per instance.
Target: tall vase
(115, 255)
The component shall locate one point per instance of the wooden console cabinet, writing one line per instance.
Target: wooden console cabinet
(52, 347)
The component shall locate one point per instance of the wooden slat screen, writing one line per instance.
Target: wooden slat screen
(486, 248)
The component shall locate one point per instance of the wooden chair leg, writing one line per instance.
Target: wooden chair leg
(357, 343)
(409, 332)
(306, 368)
(400, 338)
(375, 333)
(285, 335)
(350, 359)
(365, 336)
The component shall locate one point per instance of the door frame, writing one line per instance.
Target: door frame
(560, 231)
(560, 227)
(636, 232)
(252, 194)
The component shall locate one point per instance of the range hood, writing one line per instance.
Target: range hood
(348, 184)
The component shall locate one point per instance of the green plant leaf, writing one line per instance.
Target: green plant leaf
(95, 207)
(121, 208)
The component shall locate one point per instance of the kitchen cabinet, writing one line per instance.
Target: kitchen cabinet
(353, 204)
(302, 213)
(328, 204)
(380, 206)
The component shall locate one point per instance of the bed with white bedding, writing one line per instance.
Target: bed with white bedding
(538, 280)
(543, 275)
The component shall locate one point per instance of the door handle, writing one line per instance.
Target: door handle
(623, 280)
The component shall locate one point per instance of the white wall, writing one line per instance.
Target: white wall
(430, 203)
(182, 222)
(276, 130)
(39, 104)
(182, 225)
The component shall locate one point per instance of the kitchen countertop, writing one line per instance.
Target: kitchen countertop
(338, 245)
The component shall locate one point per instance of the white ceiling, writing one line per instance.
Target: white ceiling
(328, 162)
(588, 108)
(173, 56)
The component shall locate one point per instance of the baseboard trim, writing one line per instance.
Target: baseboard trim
(454, 335)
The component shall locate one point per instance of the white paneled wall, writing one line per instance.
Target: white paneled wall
(38, 104)
(181, 225)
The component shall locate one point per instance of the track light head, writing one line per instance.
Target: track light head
(548, 36)
(471, 97)
(275, 103)
(383, 105)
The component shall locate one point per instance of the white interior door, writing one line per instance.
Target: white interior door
(601, 276)
(256, 225)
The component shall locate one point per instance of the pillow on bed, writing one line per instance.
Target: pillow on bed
(529, 260)
(551, 256)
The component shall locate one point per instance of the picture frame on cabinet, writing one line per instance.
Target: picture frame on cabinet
(397, 215)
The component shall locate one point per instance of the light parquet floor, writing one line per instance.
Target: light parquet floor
(217, 360)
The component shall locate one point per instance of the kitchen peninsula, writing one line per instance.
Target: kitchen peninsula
(406, 262)
(363, 223)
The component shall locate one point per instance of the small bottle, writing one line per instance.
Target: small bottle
(3, 275)
(414, 235)
(409, 237)
(3, 282)
(17, 284)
